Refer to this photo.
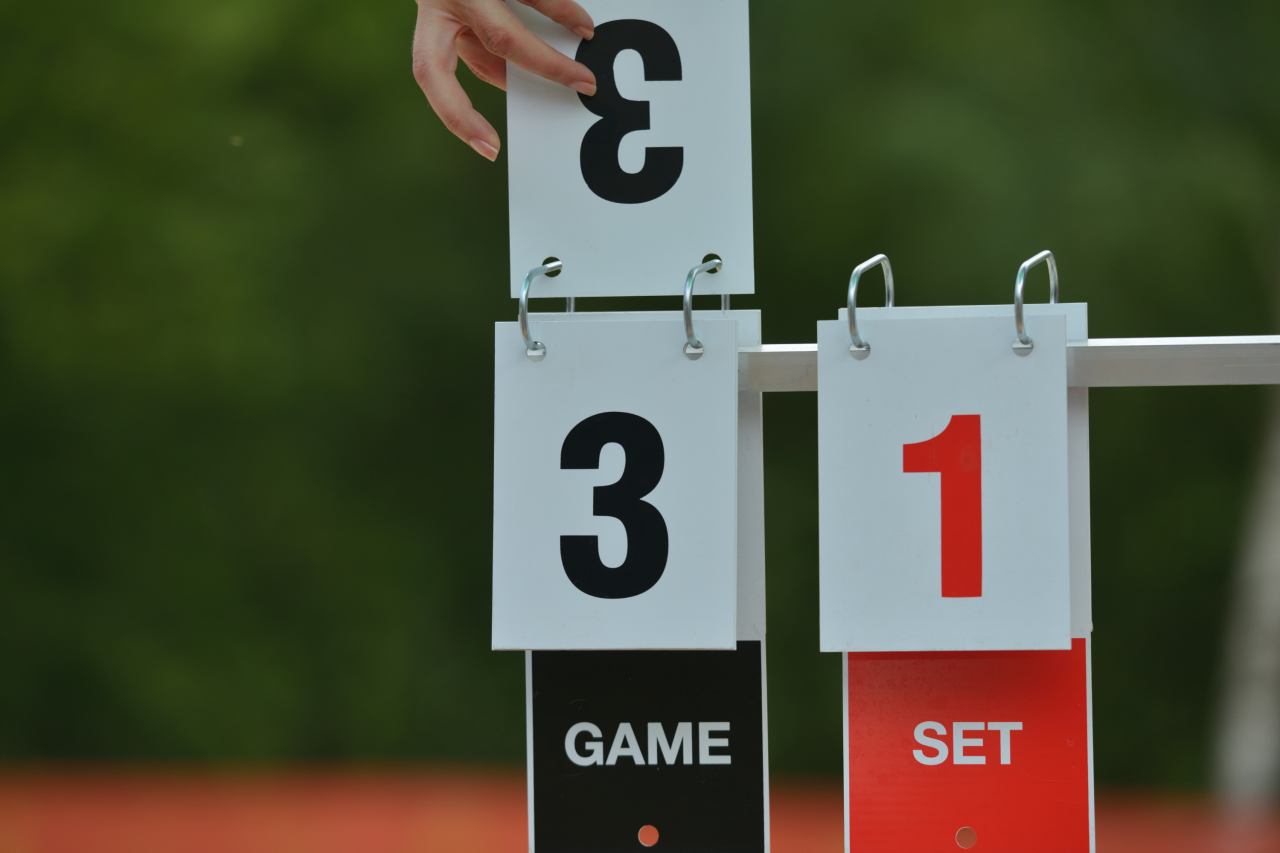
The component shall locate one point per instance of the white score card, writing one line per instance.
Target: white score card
(634, 186)
(615, 487)
(943, 488)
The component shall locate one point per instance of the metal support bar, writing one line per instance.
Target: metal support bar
(1096, 363)
(778, 367)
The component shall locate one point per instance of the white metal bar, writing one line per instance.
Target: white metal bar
(1096, 363)
(1130, 362)
(778, 367)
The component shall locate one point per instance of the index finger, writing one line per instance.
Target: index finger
(503, 34)
(567, 14)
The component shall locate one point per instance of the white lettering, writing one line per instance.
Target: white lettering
(1006, 748)
(706, 744)
(924, 740)
(595, 748)
(625, 744)
(679, 749)
(959, 742)
(683, 741)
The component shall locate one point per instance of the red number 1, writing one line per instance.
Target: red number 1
(956, 454)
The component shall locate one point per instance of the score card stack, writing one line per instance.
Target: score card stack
(954, 577)
(628, 552)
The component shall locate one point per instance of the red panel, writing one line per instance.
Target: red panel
(1039, 801)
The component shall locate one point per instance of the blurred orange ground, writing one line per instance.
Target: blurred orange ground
(460, 811)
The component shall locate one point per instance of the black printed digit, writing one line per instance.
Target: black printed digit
(646, 531)
(619, 116)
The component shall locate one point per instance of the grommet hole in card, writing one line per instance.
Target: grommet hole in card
(648, 835)
(966, 837)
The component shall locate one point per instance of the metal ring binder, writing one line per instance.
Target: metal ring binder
(859, 345)
(693, 347)
(535, 350)
(1024, 341)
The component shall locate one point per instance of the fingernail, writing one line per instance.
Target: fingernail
(485, 150)
(587, 89)
(586, 32)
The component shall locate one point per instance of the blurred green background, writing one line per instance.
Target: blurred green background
(247, 280)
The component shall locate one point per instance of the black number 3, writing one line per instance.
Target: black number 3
(646, 531)
(619, 116)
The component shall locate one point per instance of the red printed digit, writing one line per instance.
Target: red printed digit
(956, 454)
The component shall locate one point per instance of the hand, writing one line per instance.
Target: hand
(486, 34)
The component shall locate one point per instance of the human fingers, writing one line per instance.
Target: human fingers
(567, 14)
(482, 63)
(435, 64)
(503, 35)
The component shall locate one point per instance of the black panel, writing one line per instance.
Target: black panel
(696, 808)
